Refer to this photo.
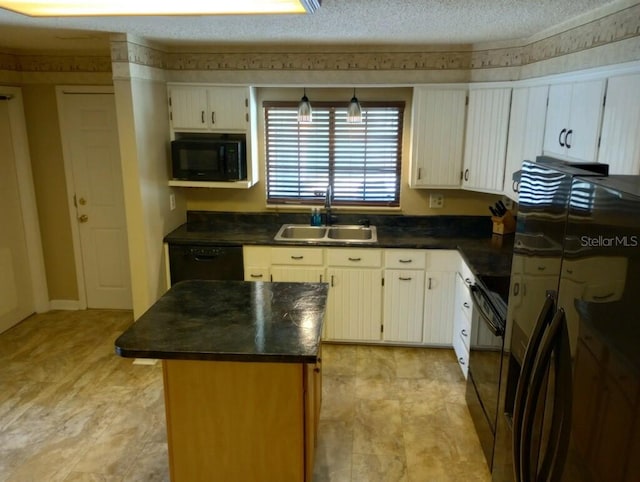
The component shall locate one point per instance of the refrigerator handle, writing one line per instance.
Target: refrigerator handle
(522, 390)
(556, 452)
(538, 378)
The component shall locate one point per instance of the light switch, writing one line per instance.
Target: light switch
(172, 201)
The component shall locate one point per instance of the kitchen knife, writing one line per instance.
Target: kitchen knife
(494, 212)
(503, 208)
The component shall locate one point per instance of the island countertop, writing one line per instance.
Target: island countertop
(231, 321)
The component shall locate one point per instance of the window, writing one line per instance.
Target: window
(361, 162)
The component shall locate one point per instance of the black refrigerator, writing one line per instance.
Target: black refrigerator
(569, 392)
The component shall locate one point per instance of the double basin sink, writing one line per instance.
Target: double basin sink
(340, 233)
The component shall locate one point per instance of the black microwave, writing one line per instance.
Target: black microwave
(206, 159)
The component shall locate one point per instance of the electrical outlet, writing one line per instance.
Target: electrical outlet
(172, 201)
(436, 200)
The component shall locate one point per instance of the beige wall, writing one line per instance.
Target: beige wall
(144, 137)
(47, 162)
(412, 201)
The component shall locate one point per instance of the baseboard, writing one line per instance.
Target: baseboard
(65, 305)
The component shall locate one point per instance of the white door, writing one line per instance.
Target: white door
(16, 292)
(90, 134)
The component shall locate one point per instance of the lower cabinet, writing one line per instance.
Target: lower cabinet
(375, 295)
(462, 316)
(354, 311)
(297, 264)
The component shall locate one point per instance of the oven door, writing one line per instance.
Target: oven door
(485, 365)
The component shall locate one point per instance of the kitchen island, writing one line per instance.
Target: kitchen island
(242, 379)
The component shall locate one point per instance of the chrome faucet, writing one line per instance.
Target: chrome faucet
(327, 205)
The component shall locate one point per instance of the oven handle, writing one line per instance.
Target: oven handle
(475, 294)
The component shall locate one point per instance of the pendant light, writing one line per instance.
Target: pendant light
(354, 112)
(304, 109)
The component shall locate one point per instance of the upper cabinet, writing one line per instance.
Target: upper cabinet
(620, 142)
(486, 139)
(573, 120)
(437, 137)
(526, 132)
(209, 109)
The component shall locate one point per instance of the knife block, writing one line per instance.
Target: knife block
(505, 224)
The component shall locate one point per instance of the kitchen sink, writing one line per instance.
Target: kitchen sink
(338, 234)
(291, 231)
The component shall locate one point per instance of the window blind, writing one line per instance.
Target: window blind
(362, 162)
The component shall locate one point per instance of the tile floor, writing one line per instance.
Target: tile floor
(73, 411)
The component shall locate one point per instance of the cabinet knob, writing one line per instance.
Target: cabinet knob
(560, 138)
(83, 218)
(567, 139)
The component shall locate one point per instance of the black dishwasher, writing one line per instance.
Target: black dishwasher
(188, 262)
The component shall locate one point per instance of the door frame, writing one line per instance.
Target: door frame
(27, 195)
(70, 182)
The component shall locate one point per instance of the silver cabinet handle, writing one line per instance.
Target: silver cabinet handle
(256, 275)
(419, 173)
(429, 284)
(405, 279)
(213, 117)
(463, 332)
(466, 305)
(405, 260)
(297, 258)
(461, 361)
(202, 117)
(355, 259)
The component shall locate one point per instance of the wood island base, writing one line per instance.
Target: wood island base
(241, 421)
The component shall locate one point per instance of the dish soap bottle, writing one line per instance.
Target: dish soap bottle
(316, 220)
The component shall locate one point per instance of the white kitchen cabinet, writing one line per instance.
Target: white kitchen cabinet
(439, 296)
(297, 264)
(462, 316)
(526, 132)
(574, 113)
(257, 261)
(213, 109)
(354, 308)
(486, 139)
(403, 295)
(437, 137)
(619, 140)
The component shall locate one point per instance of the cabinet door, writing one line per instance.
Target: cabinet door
(526, 132)
(403, 305)
(228, 108)
(573, 120)
(297, 273)
(558, 110)
(437, 137)
(619, 142)
(188, 107)
(438, 307)
(585, 120)
(486, 139)
(354, 308)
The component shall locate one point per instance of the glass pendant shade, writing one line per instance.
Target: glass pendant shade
(354, 112)
(304, 109)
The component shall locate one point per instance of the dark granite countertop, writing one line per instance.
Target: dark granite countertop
(231, 321)
(471, 235)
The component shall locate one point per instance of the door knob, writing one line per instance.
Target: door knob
(83, 219)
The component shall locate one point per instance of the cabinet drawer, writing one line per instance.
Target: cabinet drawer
(405, 258)
(367, 258)
(256, 273)
(462, 354)
(297, 256)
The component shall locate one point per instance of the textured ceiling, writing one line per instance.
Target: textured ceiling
(337, 22)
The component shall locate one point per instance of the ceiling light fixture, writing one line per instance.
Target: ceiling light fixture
(65, 8)
(304, 109)
(354, 112)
